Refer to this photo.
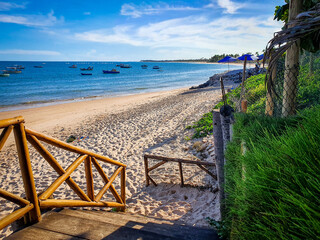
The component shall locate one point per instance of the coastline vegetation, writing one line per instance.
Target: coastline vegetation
(272, 189)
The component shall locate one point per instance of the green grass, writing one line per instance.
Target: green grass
(273, 189)
(203, 127)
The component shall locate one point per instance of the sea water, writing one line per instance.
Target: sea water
(55, 82)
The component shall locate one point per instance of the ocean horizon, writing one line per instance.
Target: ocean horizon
(56, 83)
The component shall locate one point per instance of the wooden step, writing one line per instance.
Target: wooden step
(81, 224)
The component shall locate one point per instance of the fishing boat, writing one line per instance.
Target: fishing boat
(86, 74)
(112, 71)
(14, 68)
(144, 66)
(38, 66)
(11, 71)
(4, 75)
(156, 67)
(86, 69)
(73, 66)
(20, 67)
(125, 66)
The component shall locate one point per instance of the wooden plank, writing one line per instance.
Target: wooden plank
(11, 121)
(32, 233)
(106, 187)
(123, 188)
(4, 135)
(91, 229)
(157, 165)
(106, 180)
(207, 171)
(55, 203)
(56, 166)
(10, 218)
(46, 194)
(146, 170)
(26, 171)
(89, 178)
(179, 160)
(13, 198)
(181, 174)
(71, 148)
(154, 183)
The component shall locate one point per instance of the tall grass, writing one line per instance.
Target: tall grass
(273, 189)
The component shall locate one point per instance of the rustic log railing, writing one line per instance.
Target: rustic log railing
(32, 204)
(164, 160)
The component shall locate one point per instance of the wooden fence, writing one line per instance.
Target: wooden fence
(164, 160)
(31, 206)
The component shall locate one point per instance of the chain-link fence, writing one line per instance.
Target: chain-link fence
(283, 91)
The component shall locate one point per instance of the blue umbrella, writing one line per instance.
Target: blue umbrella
(249, 57)
(261, 56)
(227, 59)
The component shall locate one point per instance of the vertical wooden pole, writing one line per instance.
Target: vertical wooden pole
(89, 178)
(244, 106)
(270, 93)
(218, 148)
(146, 170)
(243, 80)
(123, 188)
(26, 172)
(181, 174)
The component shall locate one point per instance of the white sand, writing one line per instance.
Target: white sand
(123, 129)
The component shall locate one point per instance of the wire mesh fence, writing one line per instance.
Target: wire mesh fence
(282, 92)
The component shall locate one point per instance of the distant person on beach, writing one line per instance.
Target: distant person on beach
(257, 68)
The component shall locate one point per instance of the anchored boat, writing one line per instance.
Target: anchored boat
(112, 71)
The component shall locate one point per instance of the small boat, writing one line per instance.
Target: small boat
(11, 71)
(86, 74)
(112, 71)
(86, 69)
(14, 68)
(38, 66)
(73, 66)
(156, 67)
(144, 66)
(125, 66)
(20, 67)
(4, 75)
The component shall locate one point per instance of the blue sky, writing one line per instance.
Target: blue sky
(100, 30)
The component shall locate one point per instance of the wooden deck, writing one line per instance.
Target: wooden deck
(81, 224)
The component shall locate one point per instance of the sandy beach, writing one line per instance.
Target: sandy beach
(124, 129)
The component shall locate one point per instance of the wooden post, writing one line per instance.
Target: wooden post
(244, 106)
(123, 188)
(218, 148)
(89, 178)
(290, 83)
(4, 135)
(26, 171)
(224, 99)
(146, 170)
(181, 174)
(243, 80)
(270, 93)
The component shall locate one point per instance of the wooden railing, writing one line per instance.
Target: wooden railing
(32, 204)
(164, 160)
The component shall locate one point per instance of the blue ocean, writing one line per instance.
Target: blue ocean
(55, 82)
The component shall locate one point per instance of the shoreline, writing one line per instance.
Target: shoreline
(73, 112)
(124, 129)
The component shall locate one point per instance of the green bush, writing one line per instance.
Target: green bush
(273, 189)
(203, 127)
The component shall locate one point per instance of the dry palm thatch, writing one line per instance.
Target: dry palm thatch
(305, 26)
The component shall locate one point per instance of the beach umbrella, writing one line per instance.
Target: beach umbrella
(260, 57)
(248, 56)
(227, 59)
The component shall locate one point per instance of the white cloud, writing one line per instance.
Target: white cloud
(229, 6)
(130, 9)
(197, 33)
(6, 6)
(32, 20)
(29, 52)
(87, 13)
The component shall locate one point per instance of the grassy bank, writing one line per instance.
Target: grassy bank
(273, 188)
